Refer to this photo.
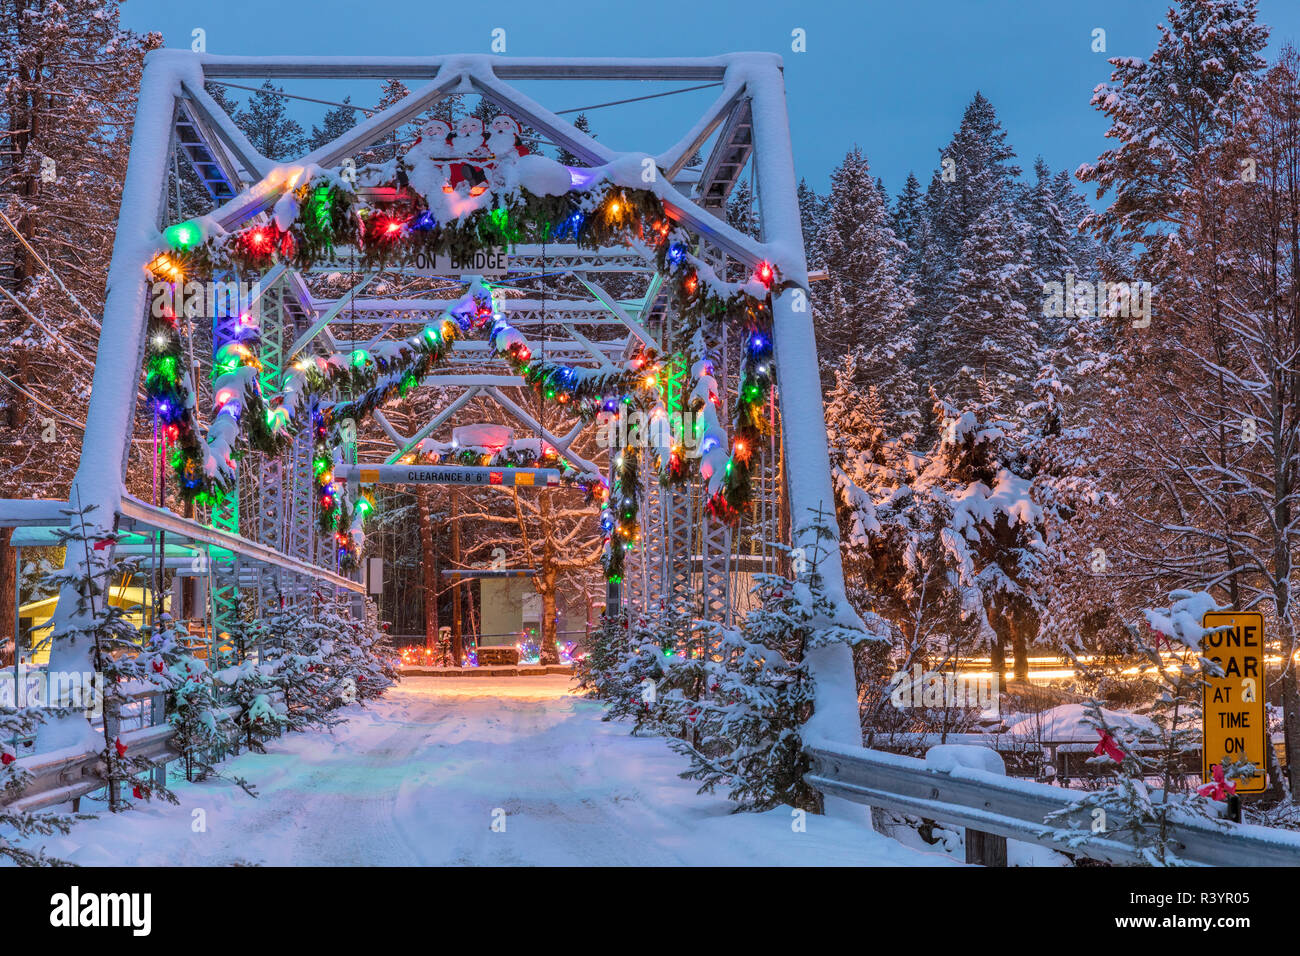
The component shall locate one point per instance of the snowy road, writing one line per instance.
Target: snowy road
(415, 780)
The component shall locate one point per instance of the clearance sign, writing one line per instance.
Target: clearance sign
(1234, 727)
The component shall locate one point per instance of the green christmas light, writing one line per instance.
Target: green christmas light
(183, 236)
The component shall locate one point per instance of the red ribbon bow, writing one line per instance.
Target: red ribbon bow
(1220, 789)
(1108, 747)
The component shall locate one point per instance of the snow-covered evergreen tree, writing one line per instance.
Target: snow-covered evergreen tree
(757, 691)
(1168, 113)
(812, 214)
(987, 335)
(338, 120)
(265, 120)
(865, 300)
(296, 665)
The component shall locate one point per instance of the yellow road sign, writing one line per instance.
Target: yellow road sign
(1234, 724)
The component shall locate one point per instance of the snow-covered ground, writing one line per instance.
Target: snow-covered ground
(415, 779)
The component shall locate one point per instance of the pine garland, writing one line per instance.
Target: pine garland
(328, 214)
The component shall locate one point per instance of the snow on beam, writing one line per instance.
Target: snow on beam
(101, 466)
(527, 110)
(137, 514)
(674, 160)
(26, 513)
(508, 68)
(807, 456)
(560, 444)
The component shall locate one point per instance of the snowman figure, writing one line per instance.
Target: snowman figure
(505, 141)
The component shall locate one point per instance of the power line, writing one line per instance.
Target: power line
(295, 96)
(636, 99)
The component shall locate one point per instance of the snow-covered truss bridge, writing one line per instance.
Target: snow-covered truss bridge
(262, 540)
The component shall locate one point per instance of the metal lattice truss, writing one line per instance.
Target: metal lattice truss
(264, 537)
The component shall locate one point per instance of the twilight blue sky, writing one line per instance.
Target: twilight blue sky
(891, 76)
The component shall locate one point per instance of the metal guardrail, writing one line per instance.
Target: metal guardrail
(62, 776)
(1015, 809)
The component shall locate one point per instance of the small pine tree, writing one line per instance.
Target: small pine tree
(758, 692)
(116, 644)
(337, 121)
(268, 126)
(295, 662)
(17, 723)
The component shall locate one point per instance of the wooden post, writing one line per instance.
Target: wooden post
(985, 849)
(158, 715)
(457, 639)
(429, 567)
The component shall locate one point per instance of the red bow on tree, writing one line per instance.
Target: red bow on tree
(102, 543)
(6, 759)
(121, 747)
(1108, 747)
(1220, 789)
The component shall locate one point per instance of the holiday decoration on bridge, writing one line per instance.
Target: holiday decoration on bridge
(497, 194)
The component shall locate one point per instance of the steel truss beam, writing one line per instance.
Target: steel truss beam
(748, 127)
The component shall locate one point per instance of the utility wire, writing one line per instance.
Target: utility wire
(636, 99)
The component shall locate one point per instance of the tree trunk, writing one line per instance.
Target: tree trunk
(547, 573)
(998, 657)
(457, 639)
(8, 587)
(429, 568)
(549, 653)
(1290, 717)
(1019, 646)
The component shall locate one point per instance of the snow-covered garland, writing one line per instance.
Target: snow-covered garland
(319, 212)
(171, 393)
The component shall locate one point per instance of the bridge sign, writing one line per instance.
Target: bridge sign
(368, 474)
(489, 263)
(1234, 724)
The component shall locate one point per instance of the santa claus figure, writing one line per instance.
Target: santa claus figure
(468, 144)
(435, 140)
(504, 140)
